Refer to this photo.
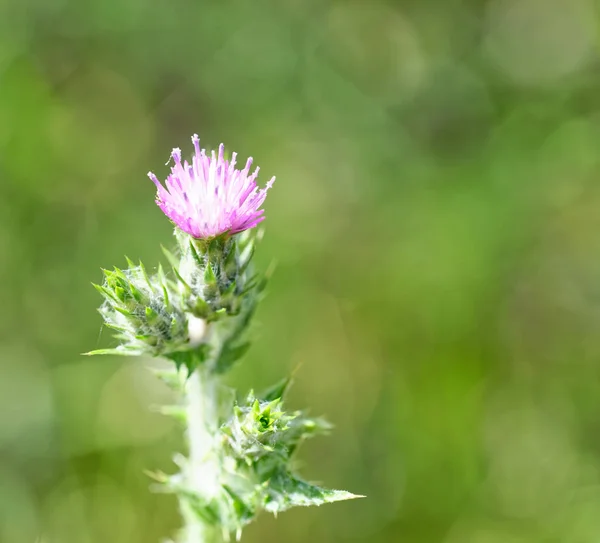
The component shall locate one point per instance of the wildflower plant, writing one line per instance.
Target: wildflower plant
(239, 457)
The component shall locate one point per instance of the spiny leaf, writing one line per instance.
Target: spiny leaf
(243, 512)
(230, 354)
(276, 391)
(190, 359)
(285, 491)
(117, 351)
(207, 511)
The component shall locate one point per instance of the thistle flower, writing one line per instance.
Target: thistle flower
(210, 197)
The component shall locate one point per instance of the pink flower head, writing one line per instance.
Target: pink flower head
(210, 196)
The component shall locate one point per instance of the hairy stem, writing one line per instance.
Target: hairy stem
(201, 396)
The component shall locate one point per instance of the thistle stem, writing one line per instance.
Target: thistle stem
(202, 473)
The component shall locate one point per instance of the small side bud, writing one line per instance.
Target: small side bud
(141, 309)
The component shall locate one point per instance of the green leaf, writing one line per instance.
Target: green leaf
(243, 511)
(276, 391)
(207, 511)
(230, 354)
(285, 491)
(190, 359)
(118, 351)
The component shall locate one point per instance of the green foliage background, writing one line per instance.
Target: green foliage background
(436, 223)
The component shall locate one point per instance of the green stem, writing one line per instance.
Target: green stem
(203, 469)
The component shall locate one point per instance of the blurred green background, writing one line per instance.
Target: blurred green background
(436, 223)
